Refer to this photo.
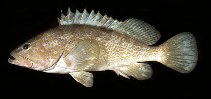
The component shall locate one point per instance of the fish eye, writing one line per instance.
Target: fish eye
(26, 46)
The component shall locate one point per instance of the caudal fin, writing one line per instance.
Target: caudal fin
(180, 53)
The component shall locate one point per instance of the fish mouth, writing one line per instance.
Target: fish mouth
(20, 60)
(11, 58)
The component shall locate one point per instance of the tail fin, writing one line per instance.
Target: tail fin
(180, 53)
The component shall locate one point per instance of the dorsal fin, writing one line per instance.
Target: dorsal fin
(133, 27)
(140, 30)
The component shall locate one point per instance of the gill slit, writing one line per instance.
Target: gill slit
(32, 65)
(54, 64)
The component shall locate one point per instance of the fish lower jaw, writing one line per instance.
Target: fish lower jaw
(11, 59)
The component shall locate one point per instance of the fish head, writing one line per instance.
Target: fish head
(39, 53)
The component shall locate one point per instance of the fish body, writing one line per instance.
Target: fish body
(86, 42)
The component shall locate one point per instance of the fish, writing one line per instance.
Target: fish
(86, 42)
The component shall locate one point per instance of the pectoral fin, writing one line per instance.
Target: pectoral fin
(85, 78)
(139, 71)
(84, 55)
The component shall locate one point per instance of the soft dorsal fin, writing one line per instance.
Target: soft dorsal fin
(132, 27)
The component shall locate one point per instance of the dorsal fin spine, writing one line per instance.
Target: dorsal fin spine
(103, 20)
(108, 23)
(70, 14)
(91, 16)
(77, 17)
(84, 17)
(97, 18)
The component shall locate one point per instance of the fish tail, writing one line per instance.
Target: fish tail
(179, 53)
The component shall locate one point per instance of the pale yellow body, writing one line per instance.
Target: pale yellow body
(115, 49)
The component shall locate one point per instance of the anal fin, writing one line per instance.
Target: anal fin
(85, 78)
(140, 71)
